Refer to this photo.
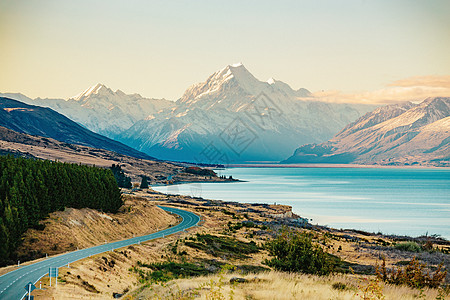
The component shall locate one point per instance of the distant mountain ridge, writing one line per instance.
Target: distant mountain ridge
(270, 117)
(41, 121)
(401, 134)
(100, 109)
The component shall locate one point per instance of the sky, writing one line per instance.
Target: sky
(361, 50)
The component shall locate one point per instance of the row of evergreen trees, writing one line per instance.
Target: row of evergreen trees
(31, 189)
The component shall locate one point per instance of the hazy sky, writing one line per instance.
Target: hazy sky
(57, 48)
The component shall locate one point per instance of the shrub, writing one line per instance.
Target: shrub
(166, 271)
(339, 286)
(293, 251)
(223, 246)
(370, 289)
(414, 274)
(408, 246)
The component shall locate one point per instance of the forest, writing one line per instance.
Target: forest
(31, 189)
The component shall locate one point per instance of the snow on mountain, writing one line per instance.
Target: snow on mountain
(45, 122)
(377, 116)
(239, 118)
(98, 89)
(102, 110)
(405, 133)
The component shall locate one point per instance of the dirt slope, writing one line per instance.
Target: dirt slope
(66, 230)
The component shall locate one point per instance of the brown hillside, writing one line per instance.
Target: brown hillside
(66, 230)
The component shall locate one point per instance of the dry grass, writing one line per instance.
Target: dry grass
(274, 286)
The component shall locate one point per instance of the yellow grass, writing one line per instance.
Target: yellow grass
(276, 286)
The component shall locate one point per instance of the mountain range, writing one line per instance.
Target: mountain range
(400, 134)
(100, 109)
(45, 122)
(231, 117)
(234, 117)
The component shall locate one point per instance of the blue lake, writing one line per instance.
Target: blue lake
(391, 200)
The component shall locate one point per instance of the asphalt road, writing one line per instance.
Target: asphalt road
(12, 284)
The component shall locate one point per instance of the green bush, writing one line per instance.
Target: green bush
(294, 251)
(166, 271)
(223, 246)
(408, 246)
(247, 224)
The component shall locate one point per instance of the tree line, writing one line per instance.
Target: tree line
(31, 189)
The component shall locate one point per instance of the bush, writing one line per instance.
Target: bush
(408, 246)
(293, 251)
(339, 286)
(413, 274)
(223, 246)
(166, 271)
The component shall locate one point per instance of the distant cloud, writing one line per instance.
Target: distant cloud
(425, 81)
(409, 89)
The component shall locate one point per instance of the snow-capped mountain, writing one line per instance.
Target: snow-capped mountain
(102, 110)
(234, 117)
(235, 85)
(405, 133)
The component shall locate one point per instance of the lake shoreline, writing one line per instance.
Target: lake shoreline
(295, 215)
(355, 166)
(400, 201)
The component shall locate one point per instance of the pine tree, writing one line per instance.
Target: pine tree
(144, 183)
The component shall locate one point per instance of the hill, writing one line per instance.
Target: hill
(157, 172)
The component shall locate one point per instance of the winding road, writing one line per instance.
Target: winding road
(12, 284)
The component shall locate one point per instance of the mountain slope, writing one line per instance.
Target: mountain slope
(45, 122)
(396, 134)
(102, 110)
(234, 117)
